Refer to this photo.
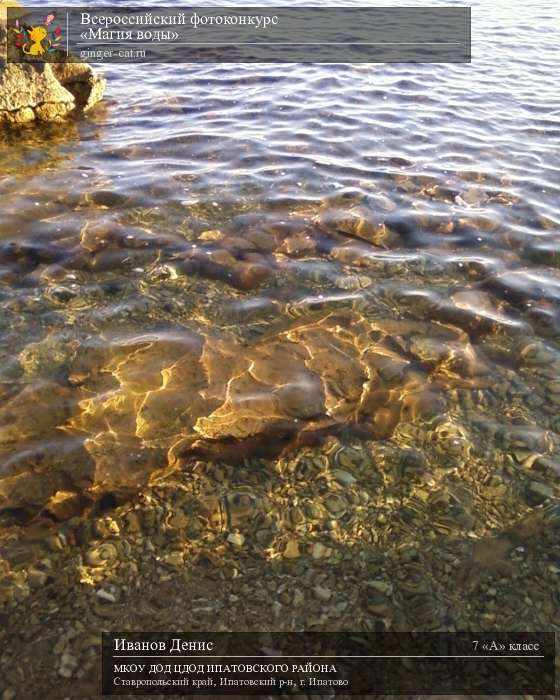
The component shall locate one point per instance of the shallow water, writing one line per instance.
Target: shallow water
(236, 262)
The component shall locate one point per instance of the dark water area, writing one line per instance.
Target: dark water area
(336, 286)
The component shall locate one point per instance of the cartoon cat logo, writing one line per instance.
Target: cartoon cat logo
(37, 40)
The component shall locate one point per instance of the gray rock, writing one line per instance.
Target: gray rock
(86, 86)
(44, 92)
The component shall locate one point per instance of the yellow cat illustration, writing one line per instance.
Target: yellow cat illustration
(36, 36)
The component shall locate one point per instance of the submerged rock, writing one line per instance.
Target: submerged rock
(135, 406)
(44, 92)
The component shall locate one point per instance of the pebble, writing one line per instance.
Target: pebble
(56, 543)
(107, 199)
(382, 586)
(299, 598)
(67, 665)
(343, 477)
(174, 559)
(236, 538)
(101, 554)
(36, 577)
(335, 505)
(291, 550)
(105, 595)
(318, 550)
(321, 593)
(345, 459)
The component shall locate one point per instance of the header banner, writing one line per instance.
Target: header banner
(232, 35)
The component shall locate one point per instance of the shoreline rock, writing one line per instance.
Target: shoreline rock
(44, 92)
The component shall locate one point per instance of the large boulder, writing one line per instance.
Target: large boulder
(46, 92)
